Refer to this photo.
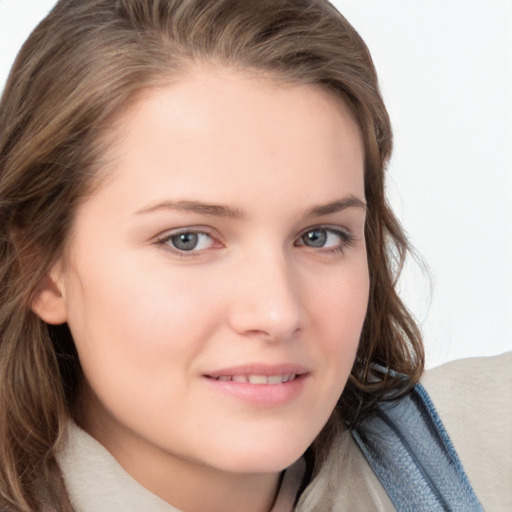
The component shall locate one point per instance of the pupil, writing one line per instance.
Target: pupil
(185, 241)
(316, 238)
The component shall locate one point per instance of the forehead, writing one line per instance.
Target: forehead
(220, 97)
(218, 127)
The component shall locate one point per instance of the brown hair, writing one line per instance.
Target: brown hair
(78, 70)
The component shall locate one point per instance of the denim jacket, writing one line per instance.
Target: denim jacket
(411, 453)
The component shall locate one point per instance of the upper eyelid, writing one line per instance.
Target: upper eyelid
(169, 233)
(208, 231)
(327, 227)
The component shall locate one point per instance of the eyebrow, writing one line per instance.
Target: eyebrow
(337, 206)
(218, 210)
(198, 207)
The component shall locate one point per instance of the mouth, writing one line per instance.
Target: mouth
(261, 385)
(256, 379)
(260, 374)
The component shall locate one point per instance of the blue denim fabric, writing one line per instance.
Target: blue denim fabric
(409, 450)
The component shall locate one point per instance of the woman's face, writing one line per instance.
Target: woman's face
(216, 283)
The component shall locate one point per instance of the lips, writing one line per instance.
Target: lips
(259, 379)
(259, 373)
(260, 385)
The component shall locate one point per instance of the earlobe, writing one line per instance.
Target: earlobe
(49, 303)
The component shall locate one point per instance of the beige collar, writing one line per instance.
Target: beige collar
(97, 483)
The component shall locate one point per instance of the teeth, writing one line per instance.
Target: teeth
(259, 379)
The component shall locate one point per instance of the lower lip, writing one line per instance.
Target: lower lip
(266, 395)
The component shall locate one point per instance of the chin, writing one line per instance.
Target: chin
(261, 464)
(262, 457)
(261, 445)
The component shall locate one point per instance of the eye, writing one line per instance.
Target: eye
(326, 238)
(188, 241)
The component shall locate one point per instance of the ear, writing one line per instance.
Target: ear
(49, 303)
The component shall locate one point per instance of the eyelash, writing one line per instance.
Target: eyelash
(346, 240)
(164, 241)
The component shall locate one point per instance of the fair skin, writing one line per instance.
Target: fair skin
(216, 285)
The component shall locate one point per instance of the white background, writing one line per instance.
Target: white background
(446, 73)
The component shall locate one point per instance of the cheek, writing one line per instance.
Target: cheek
(141, 333)
(341, 300)
(339, 309)
(132, 305)
(136, 339)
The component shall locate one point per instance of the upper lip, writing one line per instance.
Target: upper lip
(260, 369)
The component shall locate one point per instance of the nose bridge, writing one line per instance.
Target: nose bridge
(268, 300)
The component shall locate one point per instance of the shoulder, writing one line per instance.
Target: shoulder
(477, 372)
(473, 399)
(473, 394)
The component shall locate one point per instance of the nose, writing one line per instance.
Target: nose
(267, 300)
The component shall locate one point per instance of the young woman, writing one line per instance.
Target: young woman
(198, 263)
